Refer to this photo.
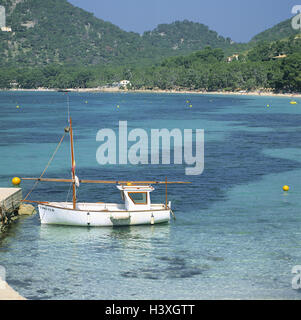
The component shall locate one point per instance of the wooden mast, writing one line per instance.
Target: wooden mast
(72, 165)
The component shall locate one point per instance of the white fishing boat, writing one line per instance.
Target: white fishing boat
(136, 207)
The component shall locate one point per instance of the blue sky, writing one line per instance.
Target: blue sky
(238, 19)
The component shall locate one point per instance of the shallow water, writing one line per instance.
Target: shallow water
(237, 234)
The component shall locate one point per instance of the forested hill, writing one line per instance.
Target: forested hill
(53, 44)
(185, 37)
(55, 31)
(279, 31)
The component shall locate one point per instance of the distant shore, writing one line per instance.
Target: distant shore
(117, 90)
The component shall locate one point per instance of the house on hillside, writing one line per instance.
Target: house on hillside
(234, 57)
(281, 56)
(6, 29)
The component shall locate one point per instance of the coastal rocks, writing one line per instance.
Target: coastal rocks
(10, 200)
(7, 217)
(26, 209)
(11, 206)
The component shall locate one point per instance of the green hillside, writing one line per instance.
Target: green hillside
(279, 31)
(56, 45)
(184, 37)
(54, 31)
(268, 65)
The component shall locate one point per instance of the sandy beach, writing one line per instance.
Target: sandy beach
(117, 90)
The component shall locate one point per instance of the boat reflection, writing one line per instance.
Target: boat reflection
(125, 236)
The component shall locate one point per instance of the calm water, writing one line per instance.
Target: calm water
(237, 234)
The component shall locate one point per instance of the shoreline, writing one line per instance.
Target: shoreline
(8, 293)
(156, 91)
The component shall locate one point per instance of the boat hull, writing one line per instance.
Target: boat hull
(102, 218)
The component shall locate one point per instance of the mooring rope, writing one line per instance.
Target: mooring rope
(48, 164)
(68, 192)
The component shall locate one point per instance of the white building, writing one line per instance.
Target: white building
(6, 29)
(234, 57)
(3, 26)
(2, 17)
(124, 83)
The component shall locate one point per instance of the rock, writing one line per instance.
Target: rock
(26, 209)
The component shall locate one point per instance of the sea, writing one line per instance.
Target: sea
(237, 234)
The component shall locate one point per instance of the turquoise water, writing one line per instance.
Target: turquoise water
(237, 234)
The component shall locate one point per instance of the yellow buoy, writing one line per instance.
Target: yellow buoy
(190, 106)
(17, 107)
(16, 181)
(268, 105)
(293, 102)
(285, 188)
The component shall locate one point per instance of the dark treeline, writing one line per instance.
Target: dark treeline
(275, 65)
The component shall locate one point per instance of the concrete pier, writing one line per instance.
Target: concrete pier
(10, 201)
(8, 293)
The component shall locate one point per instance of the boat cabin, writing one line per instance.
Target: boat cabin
(136, 197)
